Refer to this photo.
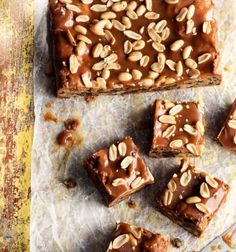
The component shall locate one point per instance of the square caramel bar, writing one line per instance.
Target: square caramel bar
(129, 238)
(118, 171)
(107, 46)
(227, 135)
(178, 129)
(192, 198)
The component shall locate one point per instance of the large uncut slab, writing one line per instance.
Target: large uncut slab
(124, 46)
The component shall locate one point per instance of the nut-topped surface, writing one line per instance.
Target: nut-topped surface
(105, 45)
(227, 135)
(192, 197)
(178, 129)
(119, 170)
(130, 238)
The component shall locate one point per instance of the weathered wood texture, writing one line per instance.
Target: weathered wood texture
(16, 122)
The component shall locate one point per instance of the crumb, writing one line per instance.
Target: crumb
(176, 242)
(213, 247)
(48, 105)
(70, 183)
(132, 204)
(48, 69)
(227, 69)
(89, 98)
(48, 116)
(71, 124)
(228, 239)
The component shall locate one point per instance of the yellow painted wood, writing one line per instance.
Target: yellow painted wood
(16, 122)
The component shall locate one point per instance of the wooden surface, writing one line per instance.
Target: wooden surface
(16, 122)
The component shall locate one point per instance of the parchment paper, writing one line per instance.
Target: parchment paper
(76, 219)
